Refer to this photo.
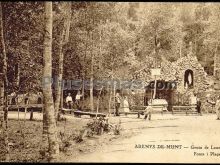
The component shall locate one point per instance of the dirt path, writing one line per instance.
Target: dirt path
(187, 131)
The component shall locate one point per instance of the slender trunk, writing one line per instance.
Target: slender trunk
(98, 100)
(91, 86)
(114, 92)
(4, 87)
(20, 124)
(25, 109)
(110, 101)
(17, 74)
(60, 76)
(49, 117)
(61, 102)
(84, 68)
(92, 74)
(1, 103)
(156, 63)
(110, 96)
(215, 60)
(155, 88)
(181, 49)
(100, 46)
(155, 49)
(6, 123)
(64, 37)
(100, 54)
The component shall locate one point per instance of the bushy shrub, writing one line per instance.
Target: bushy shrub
(94, 127)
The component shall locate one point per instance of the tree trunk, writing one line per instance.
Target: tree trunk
(156, 62)
(17, 74)
(91, 86)
(1, 102)
(110, 97)
(59, 86)
(98, 100)
(216, 61)
(64, 37)
(85, 54)
(3, 89)
(49, 117)
(91, 76)
(114, 93)
(110, 101)
(100, 46)
(155, 88)
(100, 54)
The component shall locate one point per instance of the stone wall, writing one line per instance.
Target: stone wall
(200, 80)
(175, 72)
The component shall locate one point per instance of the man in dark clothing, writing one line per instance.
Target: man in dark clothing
(117, 103)
(198, 106)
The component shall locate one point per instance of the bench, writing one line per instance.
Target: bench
(184, 109)
(64, 110)
(91, 114)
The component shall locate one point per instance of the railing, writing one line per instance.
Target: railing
(184, 109)
(159, 108)
(25, 106)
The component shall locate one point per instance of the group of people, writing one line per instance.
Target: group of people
(215, 104)
(121, 102)
(69, 100)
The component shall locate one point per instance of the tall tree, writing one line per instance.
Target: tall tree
(213, 39)
(49, 117)
(63, 39)
(3, 88)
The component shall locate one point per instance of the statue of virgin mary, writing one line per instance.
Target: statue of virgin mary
(189, 79)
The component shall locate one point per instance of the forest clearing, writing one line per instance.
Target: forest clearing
(78, 77)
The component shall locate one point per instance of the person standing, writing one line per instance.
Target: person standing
(198, 106)
(69, 101)
(217, 108)
(117, 104)
(148, 112)
(13, 98)
(193, 99)
(145, 101)
(78, 97)
(126, 105)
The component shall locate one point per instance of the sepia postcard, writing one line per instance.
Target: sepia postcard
(113, 82)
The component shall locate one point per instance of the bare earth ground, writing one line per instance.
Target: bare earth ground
(161, 130)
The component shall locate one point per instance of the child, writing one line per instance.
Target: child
(148, 112)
